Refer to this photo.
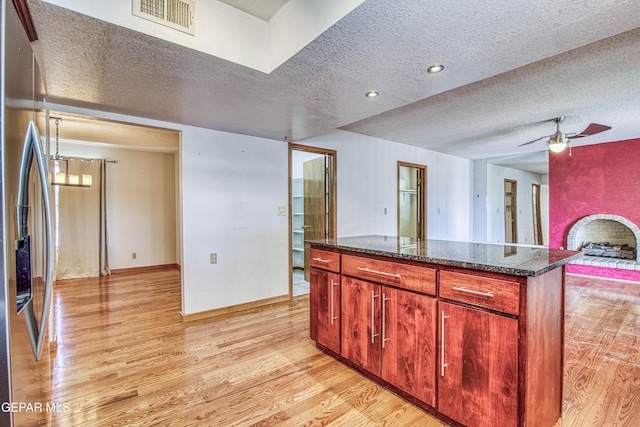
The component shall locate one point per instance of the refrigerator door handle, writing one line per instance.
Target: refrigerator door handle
(32, 148)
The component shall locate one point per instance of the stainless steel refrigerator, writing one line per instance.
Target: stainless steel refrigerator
(26, 362)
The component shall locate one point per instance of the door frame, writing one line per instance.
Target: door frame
(332, 226)
(422, 199)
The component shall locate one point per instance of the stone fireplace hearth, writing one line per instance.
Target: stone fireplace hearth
(610, 228)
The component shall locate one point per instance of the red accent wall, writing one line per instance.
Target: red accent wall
(595, 179)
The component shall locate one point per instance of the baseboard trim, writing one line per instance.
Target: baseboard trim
(145, 269)
(235, 309)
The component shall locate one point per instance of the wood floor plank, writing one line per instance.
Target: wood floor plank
(125, 358)
(601, 353)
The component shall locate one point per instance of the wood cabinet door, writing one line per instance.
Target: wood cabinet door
(315, 277)
(477, 379)
(325, 295)
(361, 334)
(409, 341)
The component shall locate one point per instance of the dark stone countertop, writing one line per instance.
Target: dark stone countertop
(515, 260)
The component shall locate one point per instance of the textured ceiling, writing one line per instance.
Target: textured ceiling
(510, 67)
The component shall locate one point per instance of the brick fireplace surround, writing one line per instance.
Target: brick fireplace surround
(574, 242)
(596, 180)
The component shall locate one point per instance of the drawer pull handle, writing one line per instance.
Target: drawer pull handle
(382, 273)
(327, 261)
(471, 291)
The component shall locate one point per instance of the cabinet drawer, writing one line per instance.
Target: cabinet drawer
(325, 260)
(495, 294)
(412, 277)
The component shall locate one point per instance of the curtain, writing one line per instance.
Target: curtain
(104, 232)
(81, 223)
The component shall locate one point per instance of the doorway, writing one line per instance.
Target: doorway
(411, 197)
(312, 207)
(510, 211)
(146, 159)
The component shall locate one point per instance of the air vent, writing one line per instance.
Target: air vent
(176, 14)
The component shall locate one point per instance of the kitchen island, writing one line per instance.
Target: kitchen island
(473, 333)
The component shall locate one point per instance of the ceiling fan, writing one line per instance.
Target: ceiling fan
(559, 140)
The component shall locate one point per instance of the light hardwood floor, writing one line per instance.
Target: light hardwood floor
(125, 358)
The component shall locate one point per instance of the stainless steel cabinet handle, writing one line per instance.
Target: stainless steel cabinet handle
(442, 364)
(327, 261)
(373, 320)
(384, 325)
(382, 273)
(471, 291)
(333, 316)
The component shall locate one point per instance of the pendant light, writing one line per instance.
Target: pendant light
(60, 169)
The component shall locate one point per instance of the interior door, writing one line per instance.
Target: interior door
(510, 211)
(315, 204)
(537, 224)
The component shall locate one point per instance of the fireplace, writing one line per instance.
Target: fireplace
(609, 233)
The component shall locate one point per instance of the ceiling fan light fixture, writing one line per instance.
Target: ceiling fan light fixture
(558, 142)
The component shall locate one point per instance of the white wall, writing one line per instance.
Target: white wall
(480, 200)
(495, 203)
(232, 187)
(141, 203)
(367, 177)
(544, 208)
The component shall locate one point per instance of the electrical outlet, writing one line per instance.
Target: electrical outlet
(134, 255)
(282, 210)
(213, 258)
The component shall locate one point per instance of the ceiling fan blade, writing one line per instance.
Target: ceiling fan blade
(531, 142)
(592, 129)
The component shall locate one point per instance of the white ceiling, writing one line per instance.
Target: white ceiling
(263, 9)
(510, 67)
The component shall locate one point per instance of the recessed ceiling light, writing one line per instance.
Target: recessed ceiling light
(371, 94)
(435, 69)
